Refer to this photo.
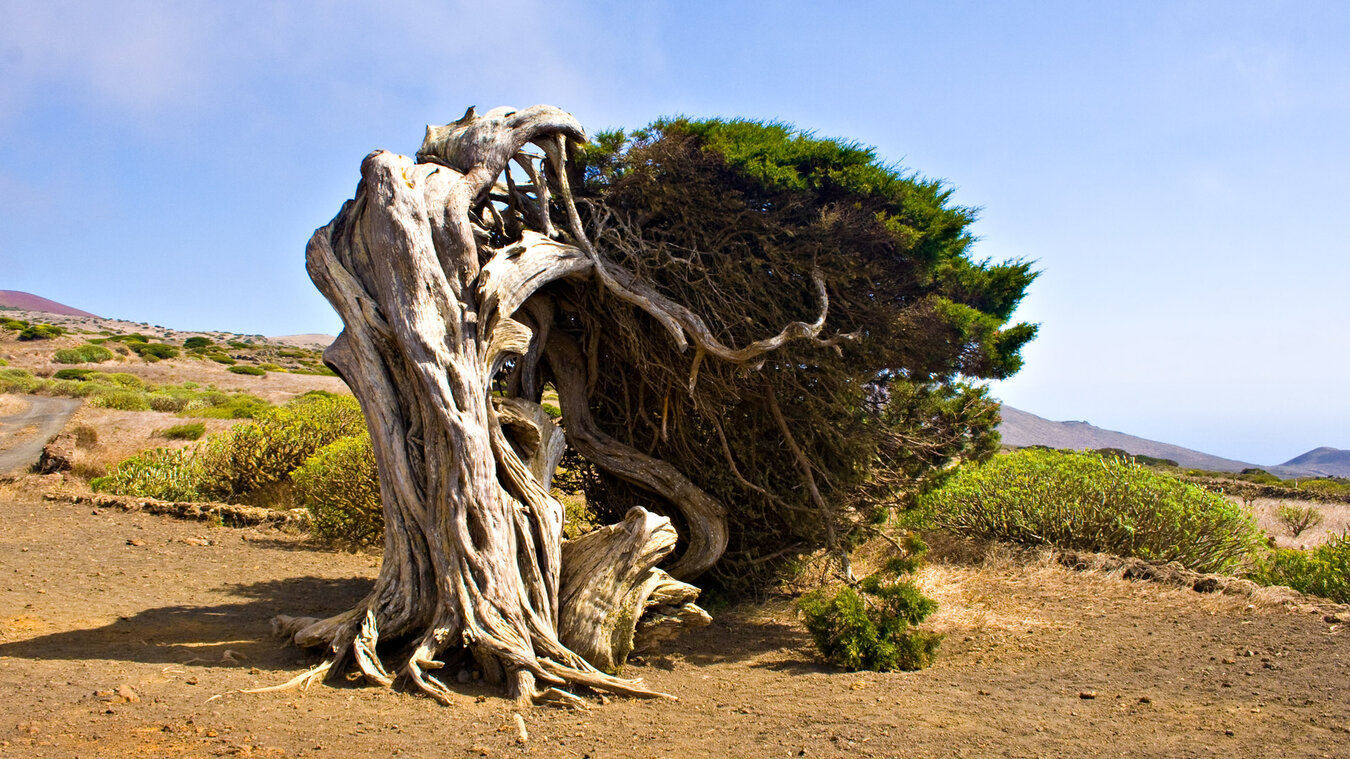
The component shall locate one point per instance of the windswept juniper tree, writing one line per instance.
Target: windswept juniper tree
(642, 277)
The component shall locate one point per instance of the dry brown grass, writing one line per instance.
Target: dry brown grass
(12, 404)
(1335, 520)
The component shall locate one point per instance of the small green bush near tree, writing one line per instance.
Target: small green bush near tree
(340, 487)
(1322, 571)
(871, 625)
(1088, 502)
(193, 343)
(85, 354)
(255, 371)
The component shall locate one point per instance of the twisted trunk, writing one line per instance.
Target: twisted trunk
(474, 558)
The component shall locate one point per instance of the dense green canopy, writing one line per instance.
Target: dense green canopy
(734, 219)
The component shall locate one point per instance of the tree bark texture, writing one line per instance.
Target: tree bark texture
(440, 268)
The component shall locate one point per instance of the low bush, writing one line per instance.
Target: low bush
(154, 351)
(1322, 571)
(189, 431)
(193, 343)
(40, 332)
(171, 474)
(272, 367)
(218, 405)
(85, 354)
(72, 374)
(18, 325)
(245, 459)
(1087, 502)
(1298, 519)
(221, 358)
(255, 371)
(122, 400)
(871, 626)
(340, 487)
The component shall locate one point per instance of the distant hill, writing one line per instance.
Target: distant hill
(1020, 429)
(1333, 462)
(31, 302)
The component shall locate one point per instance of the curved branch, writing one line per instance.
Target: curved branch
(705, 516)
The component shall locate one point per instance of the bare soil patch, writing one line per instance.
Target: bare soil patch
(125, 634)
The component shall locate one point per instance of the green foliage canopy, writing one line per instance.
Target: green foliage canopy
(735, 219)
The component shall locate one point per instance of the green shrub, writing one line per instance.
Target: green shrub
(73, 374)
(272, 367)
(40, 332)
(154, 351)
(189, 431)
(85, 354)
(1086, 502)
(220, 358)
(255, 371)
(166, 473)
(18, 325)
(218, 405)
(871, 626)
(193, 343)
(18, 381)
(126, 380)
(244, 459)
(341, 488)
(1298, 519)
(122, 400)
(1322, 571)
(3, 362)
(167, 402)
(248, 457)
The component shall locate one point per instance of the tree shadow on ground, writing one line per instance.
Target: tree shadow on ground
(231, 633)
(744, 633)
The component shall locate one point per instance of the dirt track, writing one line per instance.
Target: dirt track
(131, 635)
(23, 434)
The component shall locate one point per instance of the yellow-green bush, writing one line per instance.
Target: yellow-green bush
(242, 460)
(247, 457)
(1094, 503)
(1322, 571)
(85, 354)
(341, 488)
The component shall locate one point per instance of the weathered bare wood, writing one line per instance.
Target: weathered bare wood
(434, 316)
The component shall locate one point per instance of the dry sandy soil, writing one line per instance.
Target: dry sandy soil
(123, 634)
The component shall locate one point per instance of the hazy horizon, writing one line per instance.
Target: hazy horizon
(1175, 171)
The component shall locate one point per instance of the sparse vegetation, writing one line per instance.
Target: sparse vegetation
(242, 461)
(255, 371)
(127, 392)
(1094, 503)
(195, 342)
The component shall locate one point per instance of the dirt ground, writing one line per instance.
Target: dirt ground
(123, 634)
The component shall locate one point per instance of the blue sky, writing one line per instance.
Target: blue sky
(1178, 171)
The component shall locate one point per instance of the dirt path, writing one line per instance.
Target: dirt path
(131, 635)
(23, 434)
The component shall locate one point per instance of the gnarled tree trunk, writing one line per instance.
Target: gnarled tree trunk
(440, 269)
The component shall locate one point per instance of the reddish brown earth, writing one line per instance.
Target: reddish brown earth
(123, 634)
